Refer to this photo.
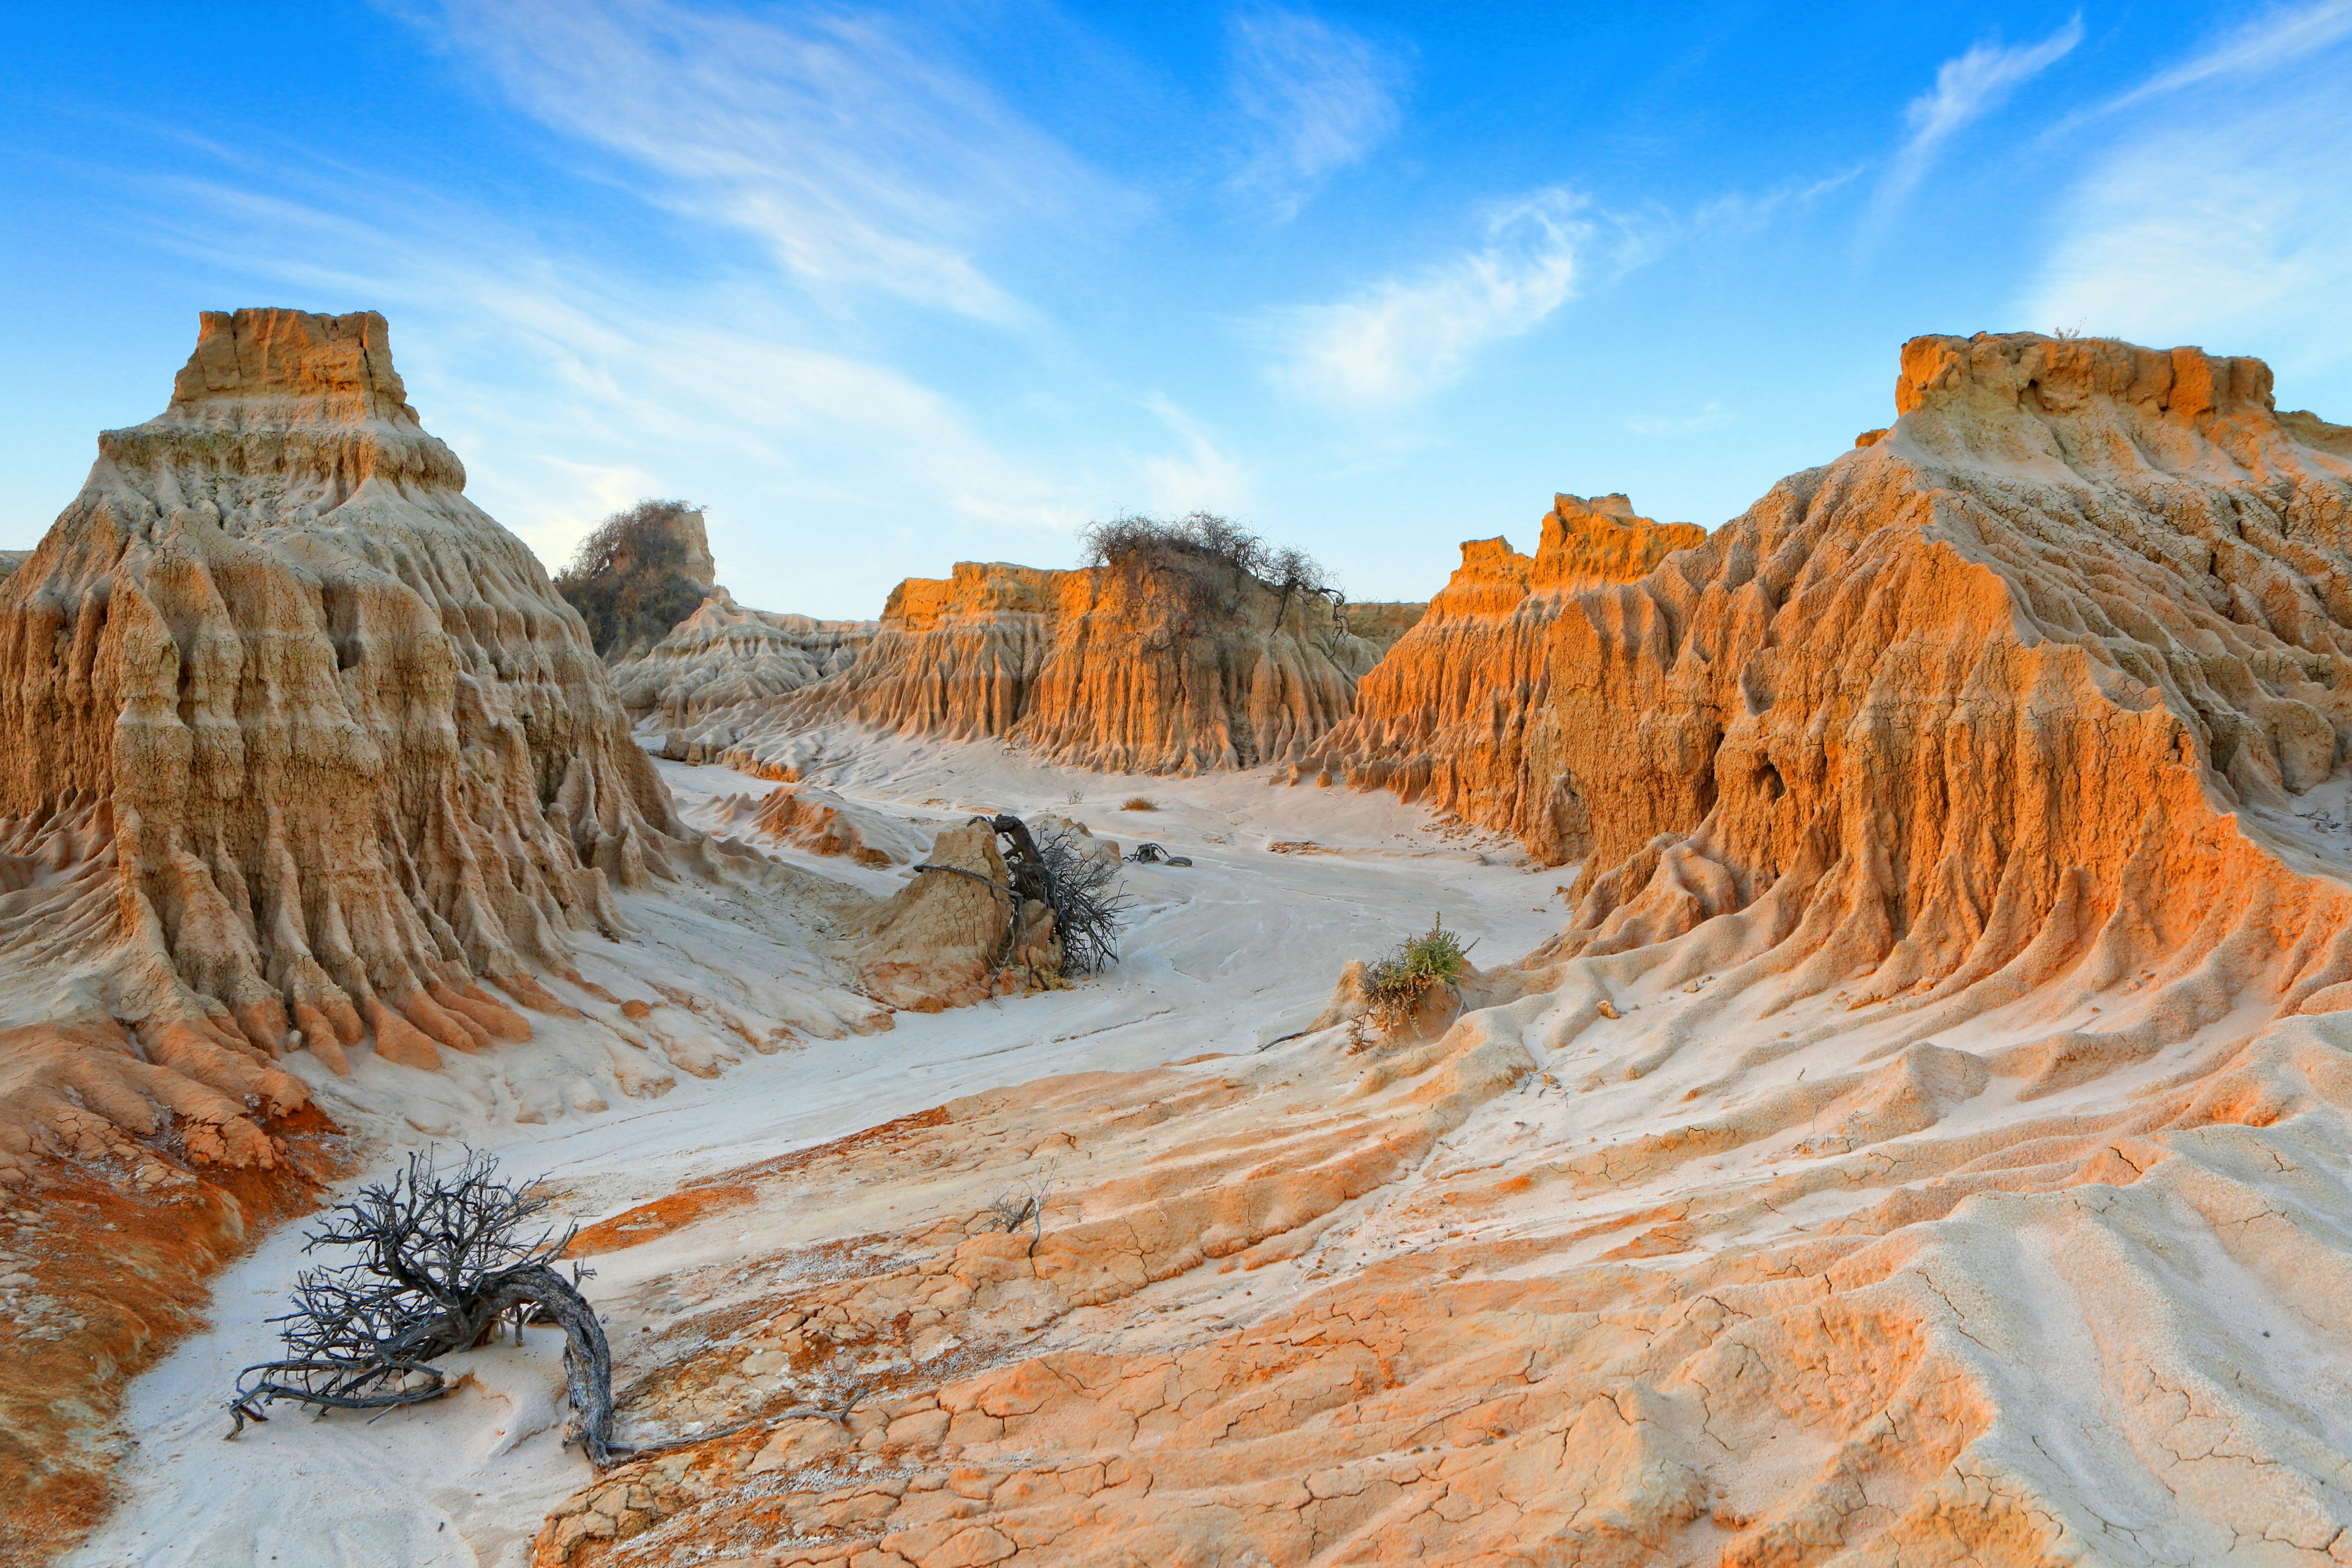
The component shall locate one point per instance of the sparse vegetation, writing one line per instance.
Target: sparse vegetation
(1024, 1208)
(1195, 562)
(1140, 802)
(629, 582)
(1396, 985)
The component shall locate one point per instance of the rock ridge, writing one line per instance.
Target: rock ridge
(1094, 667)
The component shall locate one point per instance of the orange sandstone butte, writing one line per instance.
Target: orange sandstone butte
(1101, 668)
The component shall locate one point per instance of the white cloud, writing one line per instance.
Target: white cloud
(2282, 36)
(1967, 87)
(565, 388)
(1203, 476)
(1709, 416)
(1318, 98)
(2221, 215)
(854, 152)
(1404, 337)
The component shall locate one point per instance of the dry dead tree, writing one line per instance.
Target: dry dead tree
(1080, 890)
(442, 1262)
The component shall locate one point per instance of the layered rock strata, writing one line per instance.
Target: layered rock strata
(1468, 675)
(1100, 669)
(724, 655)
(300, 731)
(1922, 1146)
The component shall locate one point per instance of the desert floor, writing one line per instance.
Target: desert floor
(1222, 958)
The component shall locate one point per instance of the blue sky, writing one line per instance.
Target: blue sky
(885, 289)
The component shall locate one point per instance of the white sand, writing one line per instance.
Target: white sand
(1234, 952)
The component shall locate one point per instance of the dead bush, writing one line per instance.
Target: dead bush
(1197, 565)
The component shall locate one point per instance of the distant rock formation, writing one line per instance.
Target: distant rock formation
(639, 574)
(724, 655)
(1098, 667)
(1468, 675)
(12, 559)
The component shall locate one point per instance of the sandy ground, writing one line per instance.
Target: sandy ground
(1222, 957)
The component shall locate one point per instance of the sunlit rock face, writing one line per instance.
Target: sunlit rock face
(1436, 715)
(1203, 668)
(2041, 669)
(298, 739)
(1922, 1144)
(2016, 661)
(724, 655)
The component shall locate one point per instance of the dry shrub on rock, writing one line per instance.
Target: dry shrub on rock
(640, 574)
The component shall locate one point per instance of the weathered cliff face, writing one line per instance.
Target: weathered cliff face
(1373, 628)
(724, 655)
(1100, 668)
(2025, 686)
(2058, 546)
(1455, 693)
(297, 730)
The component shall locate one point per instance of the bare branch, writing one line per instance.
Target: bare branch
(443, 1258)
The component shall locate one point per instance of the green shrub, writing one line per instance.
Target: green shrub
(1397, 984)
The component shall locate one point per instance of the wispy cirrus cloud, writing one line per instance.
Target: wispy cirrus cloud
(571, 387)
(1204, 476)
(846, 144)
(1404, 337)
(1316, 96)
(2282, 37)
(2220, 211)
(1967, 87)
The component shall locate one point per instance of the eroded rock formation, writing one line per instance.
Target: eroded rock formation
(1464, 680)
(2042, 662)
(301, 752)
(303, 740)
(1923, 1145)
(1099, 668)
(724, 655)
